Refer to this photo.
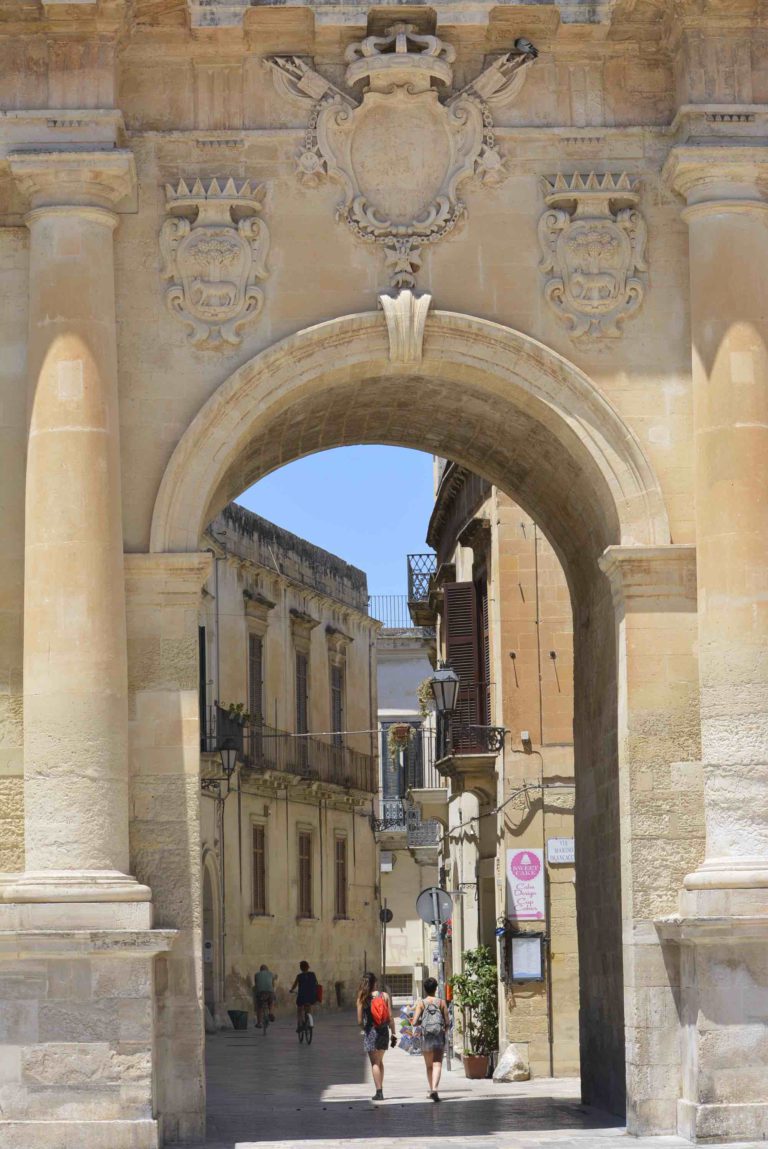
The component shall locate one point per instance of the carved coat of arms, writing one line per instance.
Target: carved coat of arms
(593, 242)
(401, 149)
(214, 247)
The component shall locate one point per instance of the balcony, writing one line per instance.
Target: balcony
(401, 826)
(421, 569)
(265, 750)
(467, 749)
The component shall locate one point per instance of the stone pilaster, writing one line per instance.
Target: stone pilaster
(723, 919)
(654, 596)
(162, 600)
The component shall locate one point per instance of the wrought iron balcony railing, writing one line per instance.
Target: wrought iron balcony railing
(262, 748)
(464, 732)
(398, 816)
(420, 571)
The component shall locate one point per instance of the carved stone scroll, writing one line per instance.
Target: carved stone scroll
(593, 243)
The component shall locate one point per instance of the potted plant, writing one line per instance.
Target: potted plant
(475, 993)
(399, 737)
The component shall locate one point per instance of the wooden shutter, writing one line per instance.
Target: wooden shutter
(461, 646)
(485, 652)
(305, 875)
(256, 678)
(202, 687)
(341, 878)
(337, 704)
(259, 905)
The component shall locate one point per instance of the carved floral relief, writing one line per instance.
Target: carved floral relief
(400, 150)
(593, 243)
(214, 246)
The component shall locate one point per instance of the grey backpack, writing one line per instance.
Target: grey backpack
(432, 1023)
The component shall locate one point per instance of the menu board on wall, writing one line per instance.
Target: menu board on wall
(525, 885)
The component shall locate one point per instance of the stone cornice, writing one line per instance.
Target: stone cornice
(100, 178)
(54, 129)
(710, 173)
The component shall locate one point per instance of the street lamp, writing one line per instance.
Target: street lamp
(445, 687)
(228, 755)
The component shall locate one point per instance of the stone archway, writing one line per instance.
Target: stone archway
(532, 423)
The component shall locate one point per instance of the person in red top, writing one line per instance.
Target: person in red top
(374, 1014)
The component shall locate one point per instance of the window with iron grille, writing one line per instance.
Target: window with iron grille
(341, 878)
(337, 704)
(305, 874)
(400, 984)
(259, 870)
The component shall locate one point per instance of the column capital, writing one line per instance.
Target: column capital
(99, 179)
(722, 176)
(652, 578)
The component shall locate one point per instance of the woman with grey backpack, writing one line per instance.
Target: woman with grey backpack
(433, 1017)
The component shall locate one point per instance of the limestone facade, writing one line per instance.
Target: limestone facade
(289, 858)
(612, 383)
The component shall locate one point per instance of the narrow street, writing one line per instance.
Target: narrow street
(270, 1091)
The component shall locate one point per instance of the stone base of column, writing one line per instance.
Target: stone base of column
(77, 1035)
(85, 1134)
(723, 939)
(72, 886)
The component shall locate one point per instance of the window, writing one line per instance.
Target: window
(202, 688)
(259, 870)
(302, 705)
(337, 704)
(256, 678)
(305, 874)
(341, 878)
(400, 984)
(462, 648)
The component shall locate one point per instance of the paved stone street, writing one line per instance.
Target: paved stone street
(270, 1091)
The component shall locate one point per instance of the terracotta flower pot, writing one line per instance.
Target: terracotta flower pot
(475, 1065)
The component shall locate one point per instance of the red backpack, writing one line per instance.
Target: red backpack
(379, 1010)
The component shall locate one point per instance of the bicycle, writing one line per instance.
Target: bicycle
(306, 1028)
(264, 1007)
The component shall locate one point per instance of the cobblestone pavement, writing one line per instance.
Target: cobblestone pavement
(272, 1092)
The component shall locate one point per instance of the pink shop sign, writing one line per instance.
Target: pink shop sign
(525, 885)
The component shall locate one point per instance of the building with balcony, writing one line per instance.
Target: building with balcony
(408, 841)
(288, 696)
(498, 599)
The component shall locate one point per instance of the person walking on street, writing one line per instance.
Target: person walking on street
(305, 984)
(374, 1014)
(264, 993)
(432, 1014)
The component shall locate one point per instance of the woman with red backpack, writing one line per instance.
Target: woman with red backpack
(374, 1013)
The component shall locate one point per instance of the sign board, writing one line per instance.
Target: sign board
(385, 915)
(525, 885)
(525, 958)
(561, 851)
(434, 906)
(208, 951)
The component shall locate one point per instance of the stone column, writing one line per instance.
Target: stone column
(75, 690)
(723, 923)
(661, 826)
(727, 220)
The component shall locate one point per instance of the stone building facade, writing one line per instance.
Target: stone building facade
(231, 235)
(290, 865)
(500, 601)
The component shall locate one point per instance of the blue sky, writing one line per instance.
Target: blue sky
(369, 505)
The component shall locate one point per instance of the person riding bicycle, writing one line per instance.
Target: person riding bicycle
(264, 993)
(305, 984)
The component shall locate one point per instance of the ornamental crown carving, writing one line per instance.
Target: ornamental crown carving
(214, 247)
(401, 146)
(593, 242)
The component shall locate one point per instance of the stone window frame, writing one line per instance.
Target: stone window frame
(257, 610)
